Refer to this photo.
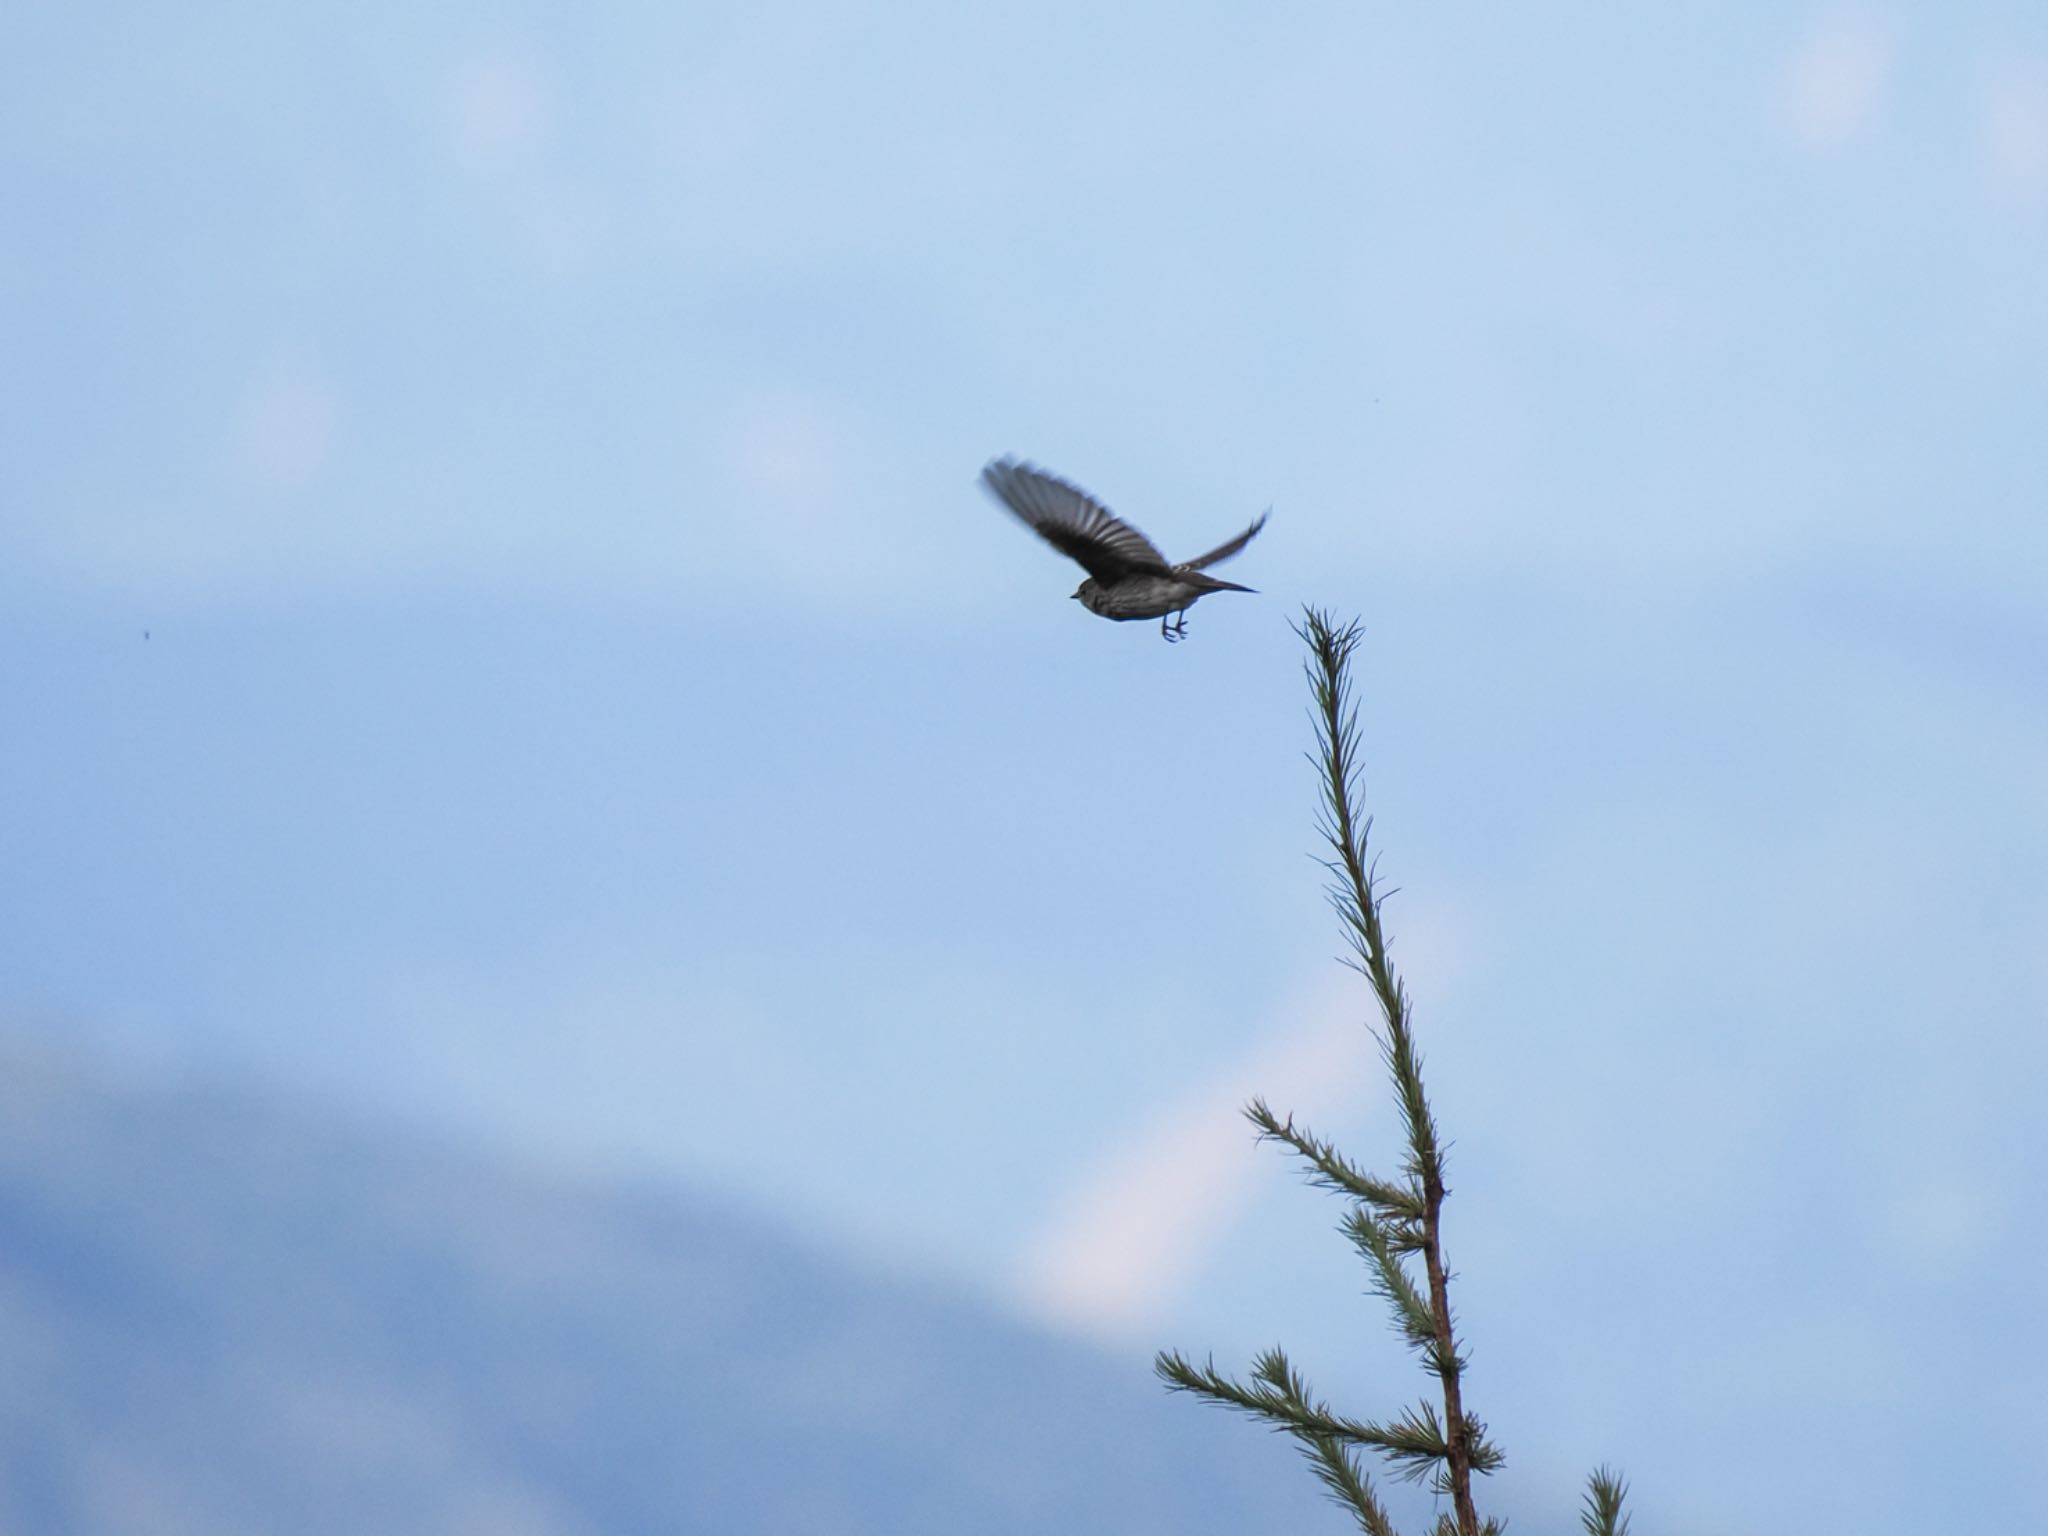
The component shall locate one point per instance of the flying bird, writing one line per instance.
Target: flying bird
(1127, 576)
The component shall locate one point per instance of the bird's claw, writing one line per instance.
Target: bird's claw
(1174, 627)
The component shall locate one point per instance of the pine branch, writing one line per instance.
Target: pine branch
(1276, 1395)
(1412, 1315)
(1281, 1399)
(1331, 1170)
(1340, 1473)
(1605, 1492)
(1428, 1448)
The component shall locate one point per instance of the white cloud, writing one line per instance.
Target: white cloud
(2015, 132)
(245, 501)
(786, 457)
(257, 508)
(787, 452)
(1143, 1217)
(1838, 82)
(500, 105)
(795, 496)
(282, 432)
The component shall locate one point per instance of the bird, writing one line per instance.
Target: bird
(1127, 576)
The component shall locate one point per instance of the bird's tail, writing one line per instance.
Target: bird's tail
(1212, 584)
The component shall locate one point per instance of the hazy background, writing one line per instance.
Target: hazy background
(499, 634)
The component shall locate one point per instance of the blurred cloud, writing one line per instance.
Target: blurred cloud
(1150, 1210)
(2015, 132)
(500, 104)
(740, 94)
(786, 452)
(248, 502)
(1838, 82)
(793, 508)
(282, 433)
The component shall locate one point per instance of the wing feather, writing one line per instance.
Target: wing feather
(1223, 552)
(1075, 523)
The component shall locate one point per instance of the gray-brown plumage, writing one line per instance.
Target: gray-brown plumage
(1127, 576)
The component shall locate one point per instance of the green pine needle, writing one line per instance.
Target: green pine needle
(1605, 1492)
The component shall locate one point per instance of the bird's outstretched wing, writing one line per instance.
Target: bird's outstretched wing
(1074, 522)
(1223, 552)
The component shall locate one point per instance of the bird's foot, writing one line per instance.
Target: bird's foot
(1175, 626)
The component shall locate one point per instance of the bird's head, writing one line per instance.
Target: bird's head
(1084, 589)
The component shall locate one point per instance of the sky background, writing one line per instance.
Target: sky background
(498, 627)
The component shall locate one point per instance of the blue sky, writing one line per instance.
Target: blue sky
(589, 704)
